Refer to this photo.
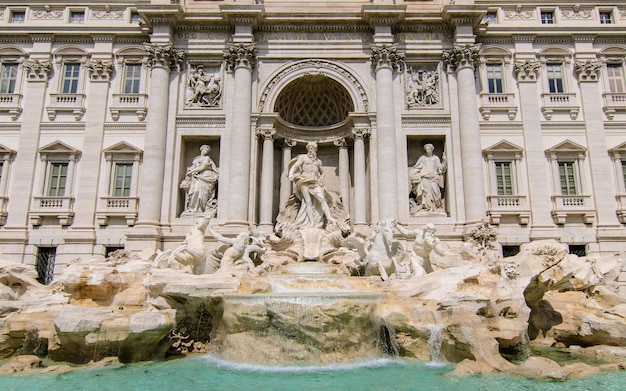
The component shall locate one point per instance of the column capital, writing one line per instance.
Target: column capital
(266, 133)
(240, 55)
(462, 56)
(99, 70)
(164, 55)
(289, 143)
(588, 70)
(361, 133)
(386, 56)
(527, 71)
(37, 70)
(341, 142)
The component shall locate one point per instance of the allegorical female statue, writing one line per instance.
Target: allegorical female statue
(427, 180)
(200, 184)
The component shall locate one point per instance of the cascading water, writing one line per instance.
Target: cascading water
(435, 340)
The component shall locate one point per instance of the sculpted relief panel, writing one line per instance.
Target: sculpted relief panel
(204, 87)
(421, 87)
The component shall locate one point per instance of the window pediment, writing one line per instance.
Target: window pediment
(567, 148)
(58, 149)
(502, 149)
(122, 150)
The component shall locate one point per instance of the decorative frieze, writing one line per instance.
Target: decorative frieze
(240, 55)
(99, 70)
(421, 88)
(518, 13)
(576, 13)
(164, 55)
(107, 13)
(47, 13)
(37, 70)
(462, 56)
(527, 70)
(588, 70)
(386, 56)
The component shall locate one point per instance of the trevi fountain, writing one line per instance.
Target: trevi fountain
(384, 307)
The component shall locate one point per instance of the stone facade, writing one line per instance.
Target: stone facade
(104, 106)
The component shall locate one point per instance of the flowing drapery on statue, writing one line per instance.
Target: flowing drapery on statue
(200, 184)
(316, 206)
(427, 180)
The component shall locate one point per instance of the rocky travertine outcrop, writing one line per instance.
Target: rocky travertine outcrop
(472, 308)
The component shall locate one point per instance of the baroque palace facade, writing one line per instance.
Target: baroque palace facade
(123, 121)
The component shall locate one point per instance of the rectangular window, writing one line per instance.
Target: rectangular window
(494, 78)
(57, 179)
(77, 17)
(122, 180)
(504, 178)
(547, 17)
(555, 78)
(615, 74)
(491, 18)
(8, 77)
(567, 174)
(606, 17)
(69, 82)
(45, 264)
(18, 16)
(132, 78)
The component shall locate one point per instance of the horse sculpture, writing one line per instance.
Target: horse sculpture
(380, 252)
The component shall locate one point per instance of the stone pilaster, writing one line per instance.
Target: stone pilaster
(360, 184)
(463, 59)
(600, 163)
(385, 58)
(539, 191)
(99, 72)
(267, 176)
(240, 58)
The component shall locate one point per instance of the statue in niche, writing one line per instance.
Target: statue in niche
(239, 252)
(425, 242)
(305, 171)
(200, 183)
(205, 88)
(427, 181)
(422, 88)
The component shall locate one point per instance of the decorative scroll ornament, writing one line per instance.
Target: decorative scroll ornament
(527, 70)
(588, 70)
(386, 56)
(37, 70)
(518, 13)
(205, 89)
(107, 13)
(164, 55)
(421, 88)
(576, 13)
(240, 55)
(48, 13)
(99, 70)
(462, 56)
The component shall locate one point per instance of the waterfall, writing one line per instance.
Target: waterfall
(435, 340)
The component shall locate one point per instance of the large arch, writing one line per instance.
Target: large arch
(296, 70)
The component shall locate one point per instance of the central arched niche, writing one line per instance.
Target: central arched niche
(314, 101)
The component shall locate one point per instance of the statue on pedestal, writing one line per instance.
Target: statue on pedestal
(200, 183)
(427, 180)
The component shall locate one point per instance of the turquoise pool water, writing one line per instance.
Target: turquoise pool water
(210, 374)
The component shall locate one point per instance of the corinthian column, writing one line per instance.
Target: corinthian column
(384, 59)
(462, 59)
(285, 183)
(241, 59)
(360, 189)
(162, 58)
(344, 172)
(267, 176)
